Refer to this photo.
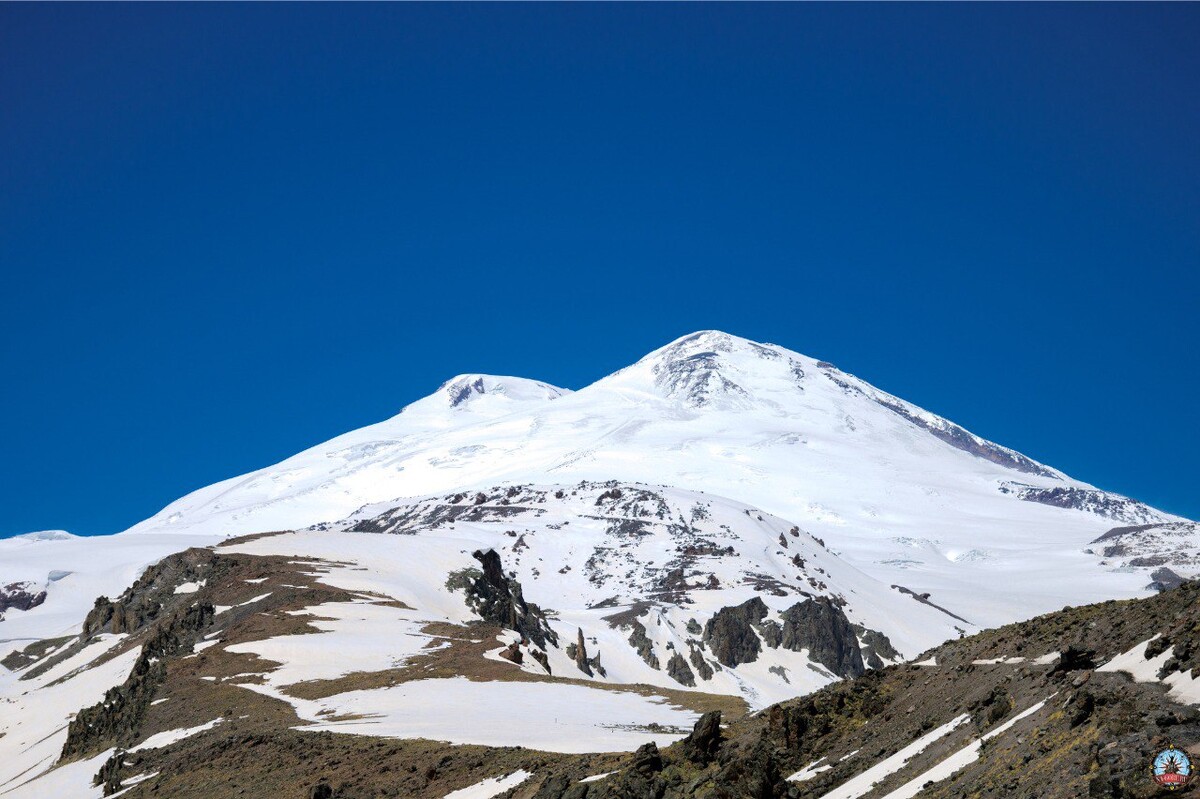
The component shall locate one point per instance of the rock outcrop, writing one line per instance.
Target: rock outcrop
(499, 599)
(578, 653)
(730, 633)
(875, 647)
(822, 628)
(20, 596)
(116, 720)
(736, 635)
(701, 746)
(680, 672)
(643, 645)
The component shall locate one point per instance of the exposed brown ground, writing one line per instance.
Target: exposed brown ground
(255, 751)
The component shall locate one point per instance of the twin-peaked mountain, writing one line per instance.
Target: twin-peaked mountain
(721, 525)
(904, 495)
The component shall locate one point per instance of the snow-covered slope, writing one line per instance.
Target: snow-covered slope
(904, 495)
(643, 570)
(73, 571)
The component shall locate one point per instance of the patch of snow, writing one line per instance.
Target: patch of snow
(1181, 686)
(1134, 662)
(200, 647)
(861, 784)
(551, 717)
(168, 737)
(811, 770)
(72, 780)
(960, 759)
(598, 777)
(352, 637)
(493, 786)
(34, 715)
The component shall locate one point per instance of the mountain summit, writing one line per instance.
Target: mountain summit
(904, 494)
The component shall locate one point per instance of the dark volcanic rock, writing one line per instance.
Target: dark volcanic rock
(646, 760)
(579, 654)
(118, 717)
(143, 602)
(815, 624)
(1102, 503)
(1164, 580)
(699, 663)
(20, 596)
(644, 646)
(823, 629)
(730, 633)
(702, 744)
(499, 599)
(109, 777)
(678, 670)
(1074, 658)
(875, 646)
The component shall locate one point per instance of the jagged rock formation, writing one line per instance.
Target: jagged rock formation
(20, 596)
(679, 670)
(875, 647)
(499, 599)
(736, 635)
(701, 746)
(513, 652)
(1101, 503)
(143, 602)
(643, 645)
(578, 652)
(699, 663)
(730, 633)
(1163, 579)
(822, 628)
(115, 721)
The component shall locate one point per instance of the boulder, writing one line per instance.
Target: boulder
(702, 744)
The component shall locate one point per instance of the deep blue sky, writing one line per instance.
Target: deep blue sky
(228, 232)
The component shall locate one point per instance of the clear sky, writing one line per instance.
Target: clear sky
(228, 232)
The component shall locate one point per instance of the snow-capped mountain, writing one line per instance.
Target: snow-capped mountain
(903, 494)
(721, 524)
